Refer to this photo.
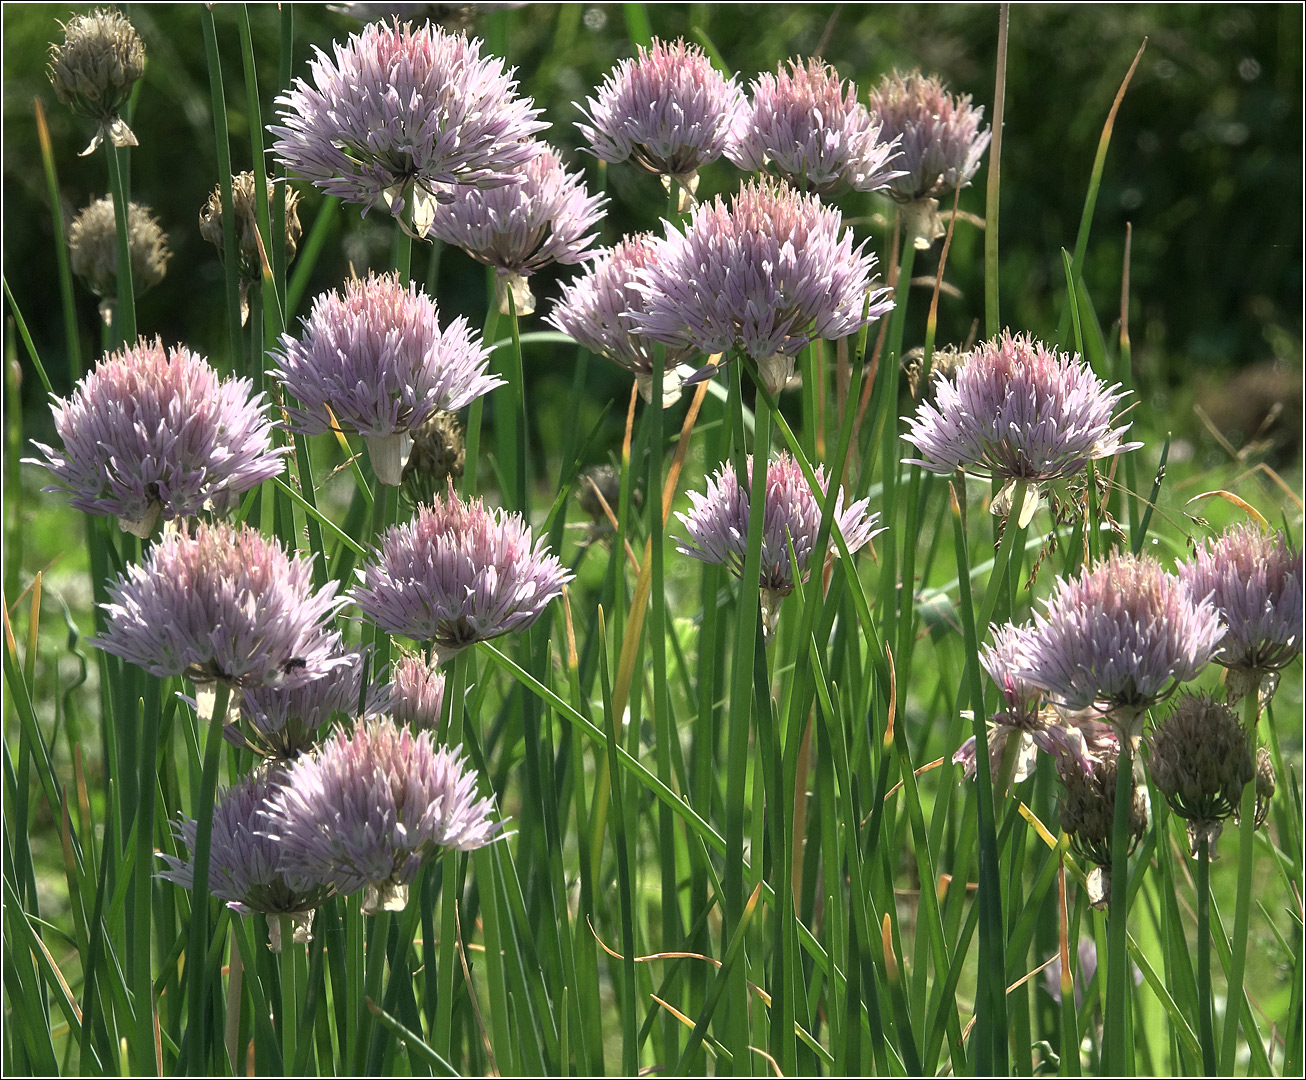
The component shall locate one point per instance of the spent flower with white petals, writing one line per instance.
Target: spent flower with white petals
(599, 310)
(223, 604)
(245, 864)
(1119, 637)
(717, 526)
(765, 274)
(1018, 410)
(518, 228)
(375, 358)
(458, 574)
(1254, 579)
(154, 433)
(404, 116)
(370, 807)
(668, 110)
(806, 124)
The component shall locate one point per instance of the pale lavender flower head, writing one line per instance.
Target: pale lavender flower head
(402, 115)
(369, 807)
(458, 574)
(765, 275)
(1254, 579)
(1076, 739)
(223, 604)
(286, 722)
(416, 693)
(669, 110)
(1018, 410)
(519, 228)
(599, 308)
(807, 124)
(938, 135)
(717, 526)
(375, 356)
(244, 864)
(1119, 637)
(153, 433)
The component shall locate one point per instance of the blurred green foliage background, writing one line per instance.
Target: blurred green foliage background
(1206, 162)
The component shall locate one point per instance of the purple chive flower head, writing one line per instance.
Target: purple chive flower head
(669, 110)
(938, 135)
(375, 356)
(244, 864)
(521, 227)
(807, 124)
(1254, 579)
(766, 275)
(599, 310)
(153, 433)
(1018, 410)
(1119, 637)
(223, 604)
(458, 574)
(285, 722)
(402, 115)
(717, 526)
(370, 807)
(1071, 738)
(416, 693)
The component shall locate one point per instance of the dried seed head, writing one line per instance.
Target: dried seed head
(438, 455)
(93, 248)
(244, 205)
(95, 68)
(1087, 809)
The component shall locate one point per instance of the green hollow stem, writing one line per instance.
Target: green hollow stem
(143, 877)
(1205, 1023)
(375, 968)
(451, 729)
(1243, 903)
(198, 937)
(124, 311)
(993, 188)
(290, 981)
(517, 380)
(1116, 1057)
(472, 437)
(231, 264)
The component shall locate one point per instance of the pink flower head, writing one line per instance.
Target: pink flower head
(937, 133)
(717, 525)
(404, 114)
(223, 604)
(458, 574)
(807, 125)
(765, 275)
(153, 433)
(669, 110)
(1254, 579)
(375, 356)
(521, 227)
(416, 693)
(370, 807)
(1120, 637)
(1018, 410)
(244, 864)
(599, 310)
